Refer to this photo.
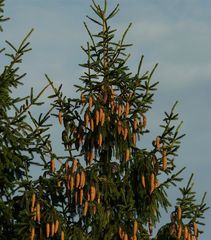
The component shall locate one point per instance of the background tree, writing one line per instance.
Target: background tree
(21, 139)
(106, 186)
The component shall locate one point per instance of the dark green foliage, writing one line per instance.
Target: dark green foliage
(21, 140)
(124, 184)
(2, 18)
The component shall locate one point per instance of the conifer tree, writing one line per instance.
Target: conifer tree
(22, 137)
(106, 185)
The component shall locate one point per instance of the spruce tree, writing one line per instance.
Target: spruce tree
(106, 185)
(22, 138)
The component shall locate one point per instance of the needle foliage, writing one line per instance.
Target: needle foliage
(106, 185)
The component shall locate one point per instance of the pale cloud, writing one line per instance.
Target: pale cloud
(147, 30)
(181, 75)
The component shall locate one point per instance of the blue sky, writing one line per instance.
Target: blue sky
(176, 34)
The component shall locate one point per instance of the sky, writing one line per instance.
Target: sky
(175, 34)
